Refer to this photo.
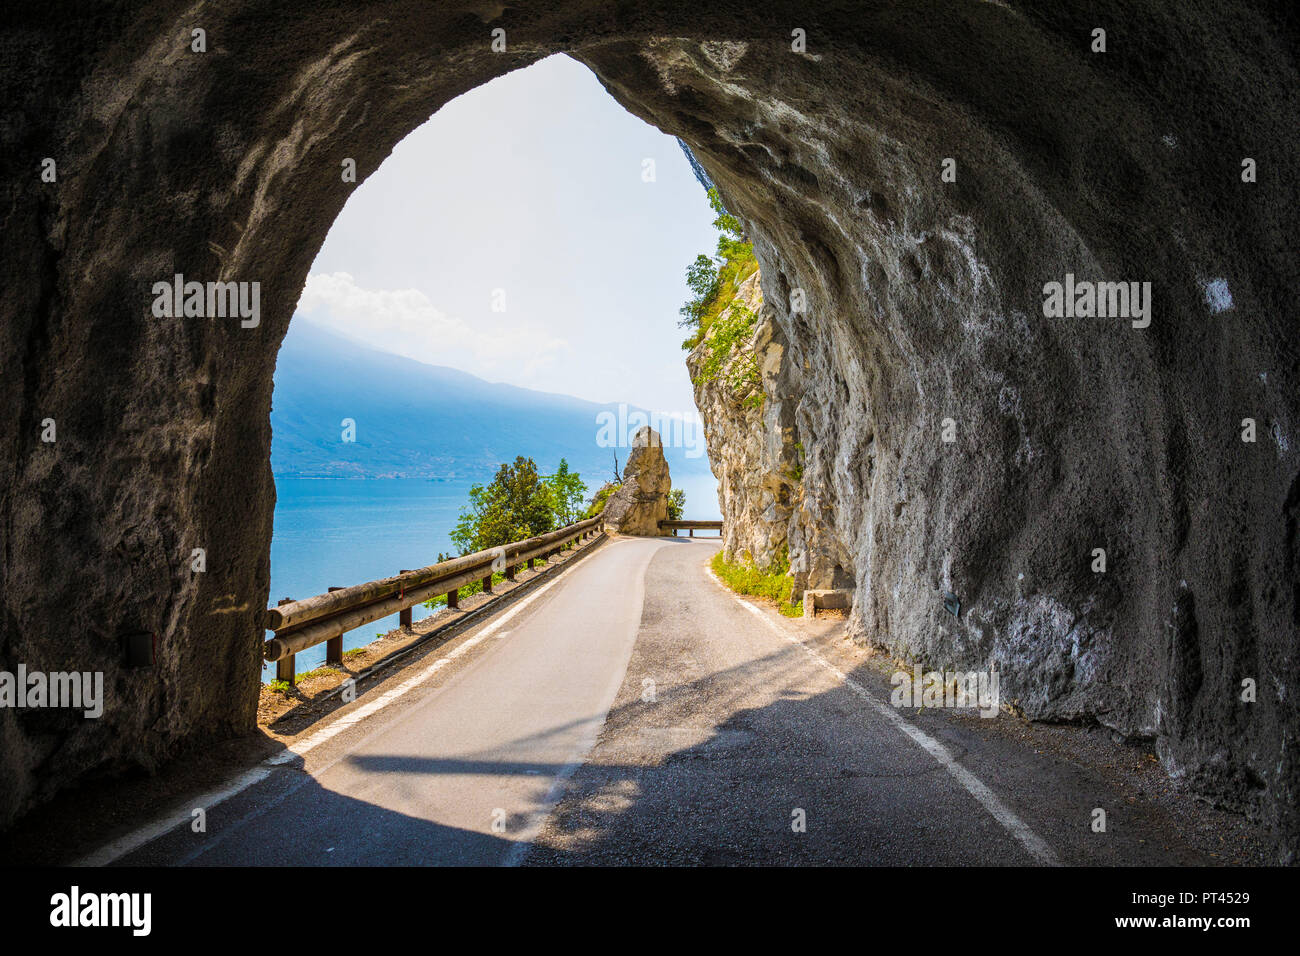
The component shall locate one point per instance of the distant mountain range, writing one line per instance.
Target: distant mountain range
(426, 421)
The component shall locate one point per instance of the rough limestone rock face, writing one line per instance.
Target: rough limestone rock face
(913, 174)
(641, 502)
(754, 493)
(757, 458)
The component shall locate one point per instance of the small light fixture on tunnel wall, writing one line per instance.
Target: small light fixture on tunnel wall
(951, 604)
(138, 649)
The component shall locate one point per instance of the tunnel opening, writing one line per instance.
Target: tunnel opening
(1010, 153)
(506, 284)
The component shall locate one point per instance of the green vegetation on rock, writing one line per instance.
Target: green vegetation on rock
(601, 498)
(715, 279)
(733, 327)
(774, 583)
(719, 319)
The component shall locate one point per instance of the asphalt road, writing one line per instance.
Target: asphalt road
(632, 711)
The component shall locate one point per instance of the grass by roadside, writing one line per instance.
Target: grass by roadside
(745, 577)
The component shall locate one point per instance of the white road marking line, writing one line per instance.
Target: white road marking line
(178, 817)
(1030, 840)
(175, 818)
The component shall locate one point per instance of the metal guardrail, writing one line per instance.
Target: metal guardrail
(325, 618)
(691, 526)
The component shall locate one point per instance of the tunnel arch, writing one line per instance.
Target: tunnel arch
(923, 299)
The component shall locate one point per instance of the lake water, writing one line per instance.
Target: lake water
(339, 532)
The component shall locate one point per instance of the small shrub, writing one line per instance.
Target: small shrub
(796, 470)
(601, 498)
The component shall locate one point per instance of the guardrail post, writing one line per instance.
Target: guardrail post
(530, 563)
(692, 532)
(453, 599)
(510, 572)
(404, 615)
(334, 646)
(284, 670)
(284, 667)
(487, 584)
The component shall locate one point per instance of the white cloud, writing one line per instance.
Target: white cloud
(405, 322)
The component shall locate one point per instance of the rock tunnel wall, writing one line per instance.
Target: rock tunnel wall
(894, 300)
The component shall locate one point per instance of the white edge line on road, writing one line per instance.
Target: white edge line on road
(1030, 840)
(152, 831)
(175, 818)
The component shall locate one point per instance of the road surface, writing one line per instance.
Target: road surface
(632, 711)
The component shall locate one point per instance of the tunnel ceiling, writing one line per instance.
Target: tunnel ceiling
(902, 306)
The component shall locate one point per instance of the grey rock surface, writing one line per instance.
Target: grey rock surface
(641, 501)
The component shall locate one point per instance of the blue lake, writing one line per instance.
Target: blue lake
(338, 532)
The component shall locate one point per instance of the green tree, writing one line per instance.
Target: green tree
(517, 504)
(713, 280)
(702, 279)
(676, 504)
(568, 495)
(726, 223)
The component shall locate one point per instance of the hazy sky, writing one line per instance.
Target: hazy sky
(531, 185)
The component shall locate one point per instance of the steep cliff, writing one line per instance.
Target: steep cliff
(749, 407)
(1078, 481)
